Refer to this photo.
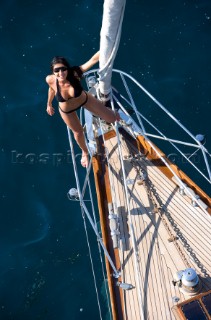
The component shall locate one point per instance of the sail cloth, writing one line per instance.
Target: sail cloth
(113, 13)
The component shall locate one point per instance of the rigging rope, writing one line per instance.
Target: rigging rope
(83, 215)
(95, 221)
(137, 273)
(93, 224)
(140, 290)
(99, 248)
(121, 256)
(92, 265)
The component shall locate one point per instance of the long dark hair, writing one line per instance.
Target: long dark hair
(72, 72)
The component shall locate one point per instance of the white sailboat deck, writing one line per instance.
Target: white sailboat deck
(169, 239)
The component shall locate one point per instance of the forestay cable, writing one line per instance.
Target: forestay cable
(83, 216)
(99, 248)
(94, 217)
(121, 256)
(116, 273)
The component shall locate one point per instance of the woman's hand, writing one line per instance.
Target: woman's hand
(51, 94)
(50, 110)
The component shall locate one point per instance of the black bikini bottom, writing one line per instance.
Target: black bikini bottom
(77, 107)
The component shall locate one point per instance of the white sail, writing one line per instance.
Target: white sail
(113, 13)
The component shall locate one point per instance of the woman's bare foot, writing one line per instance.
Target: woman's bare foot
(85, 160)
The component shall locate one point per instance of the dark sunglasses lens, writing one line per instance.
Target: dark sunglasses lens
(61, 68)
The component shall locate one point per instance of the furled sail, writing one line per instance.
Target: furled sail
(113, 13)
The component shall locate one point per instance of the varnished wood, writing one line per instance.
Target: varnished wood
(104, 197)
(102, 213)
(199, 298)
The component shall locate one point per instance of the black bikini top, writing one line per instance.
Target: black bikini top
(74, 81)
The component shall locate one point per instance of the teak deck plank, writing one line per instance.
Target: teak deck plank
(158, 258)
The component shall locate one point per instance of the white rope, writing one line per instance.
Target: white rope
(116, 273)
(83, 216)
(92, 265)
(162, 107)
(137, 270)
(163, 137)
(111, 180)
(179, 142)
(87, 181)
(99, 248)
(180, 183)
(95, 221)
(133, 103)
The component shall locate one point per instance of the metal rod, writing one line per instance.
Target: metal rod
(133, 103)
(158, 103)
(172, 140)
(85, 208)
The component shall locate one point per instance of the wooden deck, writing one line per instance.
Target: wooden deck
(158, 257)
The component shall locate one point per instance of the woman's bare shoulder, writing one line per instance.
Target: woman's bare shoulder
(50, 79)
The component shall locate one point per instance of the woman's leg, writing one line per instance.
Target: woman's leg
(74, 124)
(98, 108)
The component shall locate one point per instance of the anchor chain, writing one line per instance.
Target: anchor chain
(158, 208)
(165, 215)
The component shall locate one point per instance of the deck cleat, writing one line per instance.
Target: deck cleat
(124, 286)
(193, 202)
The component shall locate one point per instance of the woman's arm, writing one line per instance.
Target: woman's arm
(87, 65)
(51, 94)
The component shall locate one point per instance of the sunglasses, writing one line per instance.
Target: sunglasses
(60, 69)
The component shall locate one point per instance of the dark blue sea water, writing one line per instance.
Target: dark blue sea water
(45, 269)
